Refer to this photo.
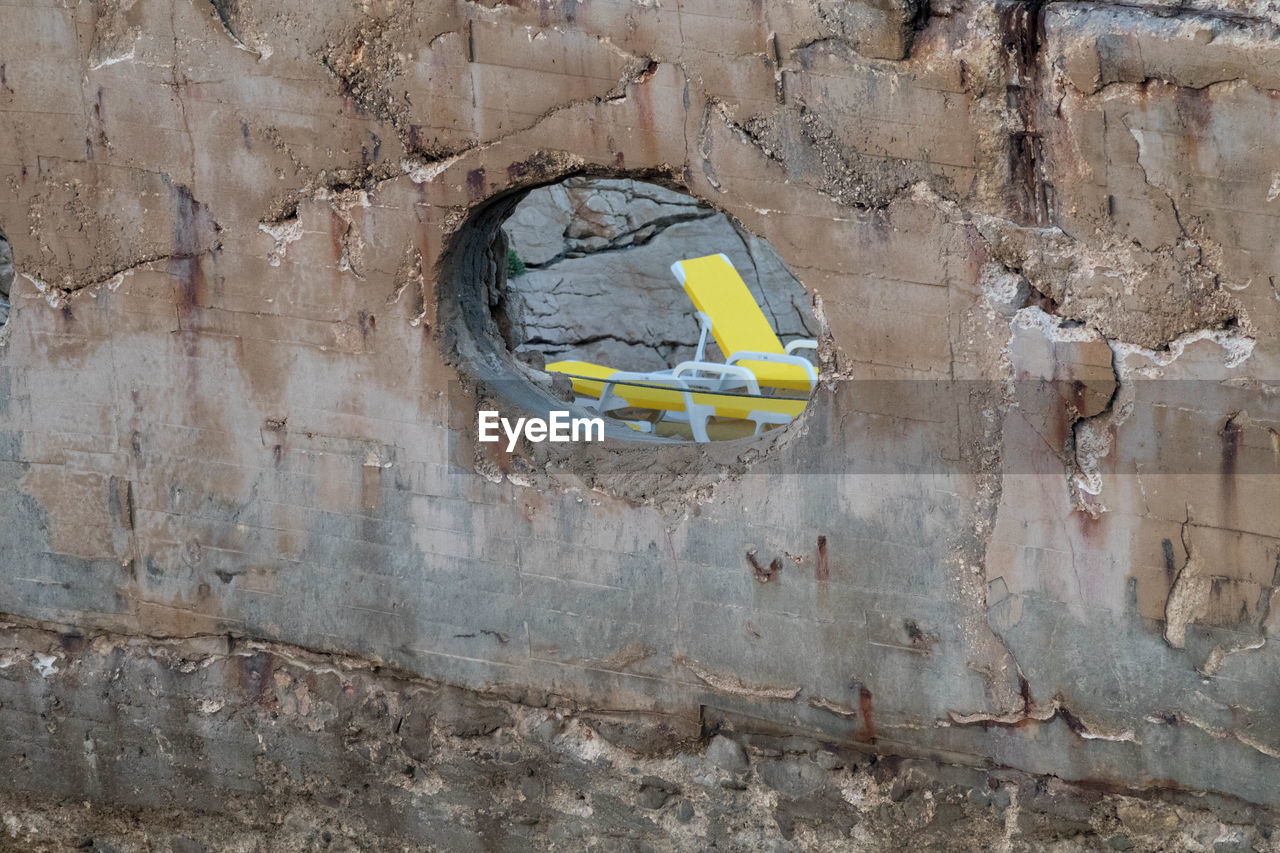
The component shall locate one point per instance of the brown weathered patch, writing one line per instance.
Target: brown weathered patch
(867, 733)
(764, 575)
(475, 184)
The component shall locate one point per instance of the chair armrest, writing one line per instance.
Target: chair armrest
(665, 378)
(800, 343)
(610, 400)
(780, 358)
(721, 370)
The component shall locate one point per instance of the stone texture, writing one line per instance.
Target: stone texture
(582, 215)
(727, 755)
(259, 248)
(599, 286)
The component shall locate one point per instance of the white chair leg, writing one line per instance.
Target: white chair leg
(761, 419)
(698, 417)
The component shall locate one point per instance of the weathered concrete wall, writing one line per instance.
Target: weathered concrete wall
(322, 752)
(238, 386)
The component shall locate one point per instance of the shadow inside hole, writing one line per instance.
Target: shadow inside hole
(6, 277)
(581, 275)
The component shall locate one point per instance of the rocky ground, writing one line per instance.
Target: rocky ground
(598, 285)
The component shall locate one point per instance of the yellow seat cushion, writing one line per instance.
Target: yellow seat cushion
(737, 323)
(589, 380)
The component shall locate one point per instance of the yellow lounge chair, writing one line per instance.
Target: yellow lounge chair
(727, 309)
(605, 389)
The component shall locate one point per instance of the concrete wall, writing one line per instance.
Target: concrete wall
(239, 382)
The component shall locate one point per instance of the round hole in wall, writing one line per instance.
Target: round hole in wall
(6, 277)
(635, 302)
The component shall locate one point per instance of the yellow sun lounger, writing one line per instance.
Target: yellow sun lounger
(606, 389)
(734, 318)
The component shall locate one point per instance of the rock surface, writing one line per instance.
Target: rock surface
(599, 286)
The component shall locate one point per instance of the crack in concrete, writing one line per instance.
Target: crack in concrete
(1188, 595)
(734, 685)
(848, 178)
(56, 295)
(367, 87)
(1126, 87)
(1139, 137)
(655, 228)
(1057, 710)
(1230, 734)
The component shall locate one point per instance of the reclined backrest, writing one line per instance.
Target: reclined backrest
(716, 289)
(737, 323)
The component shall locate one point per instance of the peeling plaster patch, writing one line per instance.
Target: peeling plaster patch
(422, 173)
(736, 686)
(1128, 736)
(52, 295)
(1150, 297)
(1053, 328)
(46, 665)
(1146, 151)
(833, 707)
(342, 203)
(57, 297)
(1011, 718)
(1225, 734)
(1078, 390)
(801, 141)
(1219, 655)
(409, 275)
(1189, 596)
(1094, 440)
(372, 460)
(115, 37)
(1030, 715)
(1236, 345)
(1095, 437)
(1001, 289)
(284, 233)
(112, 60)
